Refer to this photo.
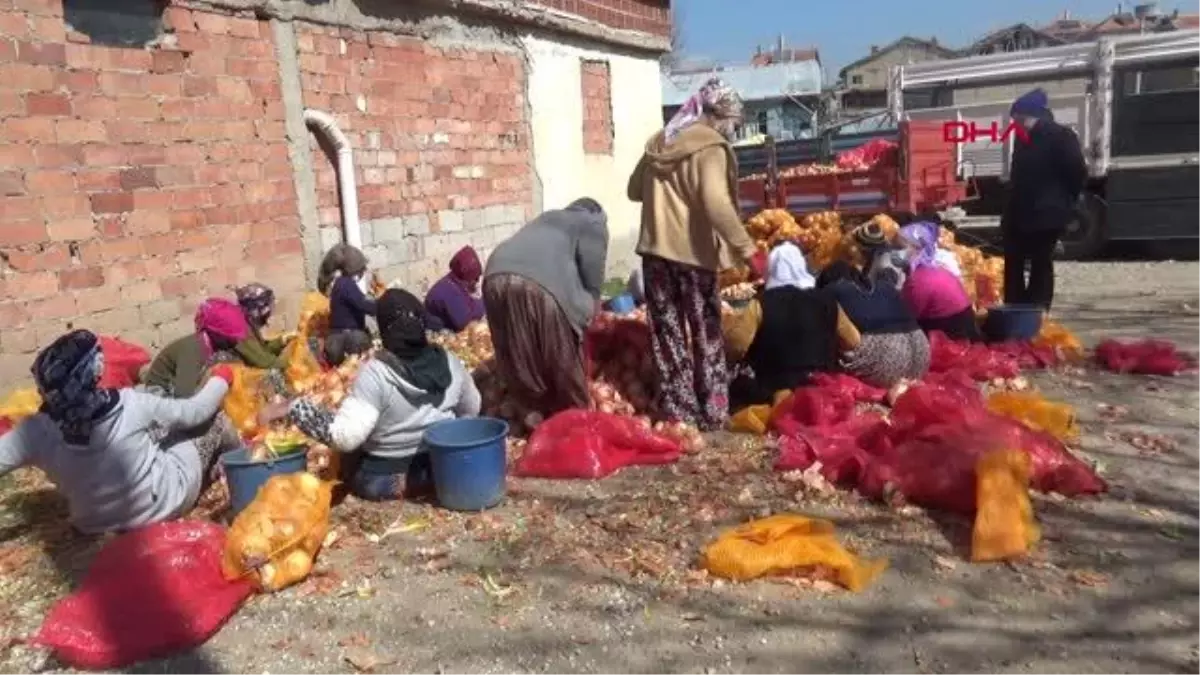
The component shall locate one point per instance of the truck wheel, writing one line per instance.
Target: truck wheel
(1085, 238)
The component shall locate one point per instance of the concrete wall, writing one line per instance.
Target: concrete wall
(564, 171)
(874, 73)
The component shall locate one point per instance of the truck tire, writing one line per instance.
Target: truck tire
(1086, 237)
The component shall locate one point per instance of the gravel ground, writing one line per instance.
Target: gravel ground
(599, 577)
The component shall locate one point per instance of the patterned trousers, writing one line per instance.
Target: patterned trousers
(687, 343)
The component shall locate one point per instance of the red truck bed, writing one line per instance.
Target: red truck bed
(923, 177)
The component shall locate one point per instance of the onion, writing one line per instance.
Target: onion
(607, 408)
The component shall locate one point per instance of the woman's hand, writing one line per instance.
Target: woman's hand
(273, 412)
(758, 265)
(222, 371)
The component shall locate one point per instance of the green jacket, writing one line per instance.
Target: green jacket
(179, 366)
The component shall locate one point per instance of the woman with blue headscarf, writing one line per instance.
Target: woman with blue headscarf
(933, 293)
(106, 450)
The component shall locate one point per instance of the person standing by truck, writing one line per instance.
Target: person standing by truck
(1048, 175)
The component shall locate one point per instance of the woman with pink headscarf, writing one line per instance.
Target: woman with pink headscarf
(179, 368)
(933, 293)
(454, 302)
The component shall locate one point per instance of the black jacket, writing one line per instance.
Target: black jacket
(1048, 174)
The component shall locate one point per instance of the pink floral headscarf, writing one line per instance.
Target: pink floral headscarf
(714, 97)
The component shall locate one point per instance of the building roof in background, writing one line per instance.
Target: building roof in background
(754, 83)
(902, 42)
(785, 56)
(1009, 32)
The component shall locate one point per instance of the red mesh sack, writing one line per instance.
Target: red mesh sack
(148, 594)
(820, 424)
(1147, 357)
(122, 362)
(592, 444)
(856, 388)
(976, 360)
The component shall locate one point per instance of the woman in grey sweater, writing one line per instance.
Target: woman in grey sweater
(397, 394)
(541, 290)
(105, 448)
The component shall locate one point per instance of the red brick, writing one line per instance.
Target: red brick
(58, 156)
(62, 206)
(33, 285)
(59, 306)
(28, 77)
(175, 287)
(98, 180)
(50, 182)
(71, 229)
(179, 19)
(187, 220)
(101, 298)
(40, 258)
(167, 61)
(12, 183)
(83, 277)
(42, 54)
(114, 202)
(140, 223)
(95, 107)
(29, 129)
(139, 177)
(79, 131)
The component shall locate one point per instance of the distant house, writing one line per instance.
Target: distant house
(779, 53)
(779, 98)
(1015, 38)
(863, 84)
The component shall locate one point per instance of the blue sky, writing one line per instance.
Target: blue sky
(843, 31)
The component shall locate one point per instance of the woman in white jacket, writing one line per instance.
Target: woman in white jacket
(398, 393)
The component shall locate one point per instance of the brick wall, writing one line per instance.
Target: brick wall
(440, 141)
(133, 182)
(596, 83)
(646, 16)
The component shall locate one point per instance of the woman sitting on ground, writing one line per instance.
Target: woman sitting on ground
(258, 304)
(802, 332)
(104, 448)
(453, 303)
(893, 347)
(221, 328)
(400, 392)
(343, 277)
(933, 293)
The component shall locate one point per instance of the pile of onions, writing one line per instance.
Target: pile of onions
(739, 292)
(472, 346)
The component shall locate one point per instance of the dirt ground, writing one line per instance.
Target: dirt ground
(600, 576)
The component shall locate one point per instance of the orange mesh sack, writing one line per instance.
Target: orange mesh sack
(1062, 341)
(20, 404)
(1004, 524)
(751, 420)
(302, 370)
(785, 545)
(275, 539)
(245, 399)
(739, 328)
(1035, 412)
(314, 315)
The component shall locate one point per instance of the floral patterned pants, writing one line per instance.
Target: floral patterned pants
(687, 343)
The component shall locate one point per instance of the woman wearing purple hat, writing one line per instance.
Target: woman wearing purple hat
(1048, 174)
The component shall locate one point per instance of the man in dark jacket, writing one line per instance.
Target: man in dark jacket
(1048, 175)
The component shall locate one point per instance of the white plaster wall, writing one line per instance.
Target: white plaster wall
(556, 105)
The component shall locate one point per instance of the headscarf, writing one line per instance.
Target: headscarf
(786, 266)
(257, 302)
(407, 351)
(715, 97)
(67, 374)
(220, 323)
(465, 266)
(342, 259)
(923, 237)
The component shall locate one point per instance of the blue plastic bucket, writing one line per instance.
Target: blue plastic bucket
(622, 304)
(468, 458)
(1013, 323)
(245, 477)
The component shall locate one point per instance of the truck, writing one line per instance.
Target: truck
(1132, 102)
(917, 176)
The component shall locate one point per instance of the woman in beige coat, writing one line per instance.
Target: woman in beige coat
(687, 184)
